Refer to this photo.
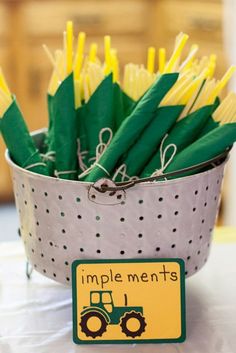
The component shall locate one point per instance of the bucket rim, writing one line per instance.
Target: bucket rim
(122, 185)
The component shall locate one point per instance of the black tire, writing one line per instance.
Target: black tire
(126, 318)
(84, 326)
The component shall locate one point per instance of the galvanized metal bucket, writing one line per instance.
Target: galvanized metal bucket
(62, 220)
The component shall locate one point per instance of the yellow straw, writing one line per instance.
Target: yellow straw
(91, 70)
(3, 84)
(77, 93)
(224, 103)
(192, 87)
(93, 52)
(64, 54)
(162, 59)
(213, 58)
(53, 83)
(176, 88)
(151, 59)
(126, 77)
(49, 55)
(107, 49)
(228, 113)
(96, 75)
(86, 88)
(5, 97)
(212, 65)
(221, 84)
(201, 65)
(79, 54)
(81, 86)
(176, 92)
(180, 92)
(190, 91)
(53, 61)
(58, 72)
(69, 47)
(114, 65)
(176, 54)
(190, 103)
(204, 94)
(60, 64)
(189, 60)
(4, 103)
(221, 113)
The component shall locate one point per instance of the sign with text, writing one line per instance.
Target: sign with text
(128, 301)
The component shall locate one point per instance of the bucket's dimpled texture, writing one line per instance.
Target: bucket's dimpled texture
(59, 223)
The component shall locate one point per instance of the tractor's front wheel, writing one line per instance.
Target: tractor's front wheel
(93, 324)
(133, 324)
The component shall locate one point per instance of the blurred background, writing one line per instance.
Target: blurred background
(133, 24)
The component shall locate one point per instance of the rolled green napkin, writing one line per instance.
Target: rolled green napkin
(82, 138)
(65, 131)
(122, 105)
(211, 123)
(132, 127)
(181, 135)
(98, 114)
(207, 147)
(19, 142)
(50, 140)
(89, 113)
(128, 104)
(140, 153)
(50, 115)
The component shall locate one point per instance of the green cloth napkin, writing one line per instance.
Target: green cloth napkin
(19, 142)
(122, 105)
(90, 114)
(50, 115)
(211, 123)
(50, 141)
(81, 114)
(205, 148)
(181, 135)
(98, 114)
(141, 152)
(132, 126)
(65, 131)
(128, 103)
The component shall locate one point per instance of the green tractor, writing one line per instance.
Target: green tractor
(102, 312)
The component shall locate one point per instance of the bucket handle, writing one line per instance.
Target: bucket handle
(126, 185)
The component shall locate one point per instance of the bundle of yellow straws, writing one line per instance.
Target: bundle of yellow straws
(89, 71)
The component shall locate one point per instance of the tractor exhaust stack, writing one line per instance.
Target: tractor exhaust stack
(126, 299)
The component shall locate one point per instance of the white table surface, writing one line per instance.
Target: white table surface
(36, 314)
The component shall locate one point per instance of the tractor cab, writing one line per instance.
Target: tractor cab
(102, 312)
(102, 299)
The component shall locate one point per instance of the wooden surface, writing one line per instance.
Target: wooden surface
(133, 24)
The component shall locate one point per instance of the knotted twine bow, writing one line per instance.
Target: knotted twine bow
(49, 156)
(122, 171)
(30, 166)
(81, 155)
(100, 149)
(164, 163)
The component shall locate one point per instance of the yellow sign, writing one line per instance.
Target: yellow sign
(123, 301)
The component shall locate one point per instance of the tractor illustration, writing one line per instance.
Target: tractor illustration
(102, 312)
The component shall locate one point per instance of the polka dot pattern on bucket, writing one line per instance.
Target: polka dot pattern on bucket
(59, 223)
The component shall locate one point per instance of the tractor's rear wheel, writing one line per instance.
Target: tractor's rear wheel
(87, 326)
(139, 326)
